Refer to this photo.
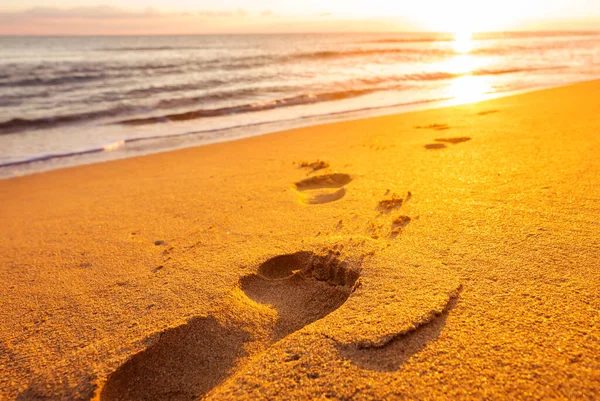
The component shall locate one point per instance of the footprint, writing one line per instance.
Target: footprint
(324, 181)
(435, 146)
(314, 166)
(182, 365)
(395, 353)
(399, 224)
(455, 140)
(376, 229)
(437, 127)
(388, 205)
(321, 197)
(302, 288)
(486, 112)
(322, 189)
(188, 361)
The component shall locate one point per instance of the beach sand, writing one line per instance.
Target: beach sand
(451, 253)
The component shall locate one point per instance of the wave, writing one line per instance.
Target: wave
(246, 108)
(240, 63)
(361, 87)
(70, 79)
(514, 70)
(153, 90)
(52, 156)
(437, 76)
(395, 83)
(363, 52)
(207, 98)
(121, 143)
(78, 74)
(322, 55)
(23, 124)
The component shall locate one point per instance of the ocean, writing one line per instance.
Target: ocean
(66, 101)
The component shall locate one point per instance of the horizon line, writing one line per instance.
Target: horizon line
(305, 33)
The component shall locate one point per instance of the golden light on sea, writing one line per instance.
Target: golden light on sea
(467, 86)
(468, 89)
(462, 64)
(463, 42)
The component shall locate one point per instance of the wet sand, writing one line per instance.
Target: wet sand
(450, 253)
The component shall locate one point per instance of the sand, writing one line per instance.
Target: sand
(445, 254)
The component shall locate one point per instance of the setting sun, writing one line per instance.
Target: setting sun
(463, 42)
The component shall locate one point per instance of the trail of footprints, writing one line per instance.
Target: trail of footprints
(328, 188)
(441, 142)
(332, 187)
(188, 361)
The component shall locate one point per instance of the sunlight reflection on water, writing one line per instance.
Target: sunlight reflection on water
(463, 42)
(467, 87)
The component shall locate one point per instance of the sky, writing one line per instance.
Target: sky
(100, 17)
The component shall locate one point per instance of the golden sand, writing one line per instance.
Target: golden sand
(445, 254)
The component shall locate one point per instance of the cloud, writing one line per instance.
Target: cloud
(108, 12)
(101, 12)
(106, 20)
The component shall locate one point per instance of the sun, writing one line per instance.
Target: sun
(463, 42)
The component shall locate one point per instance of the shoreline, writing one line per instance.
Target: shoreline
(119, 150)
(445, 253)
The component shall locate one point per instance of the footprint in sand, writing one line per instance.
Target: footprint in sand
(314, 166)
(399, 224)
(486, 112)
(302, 287)
(188, 361)
(395, 353)
(453, 141)
(433, 146)
(322, 189)
(387, 206)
